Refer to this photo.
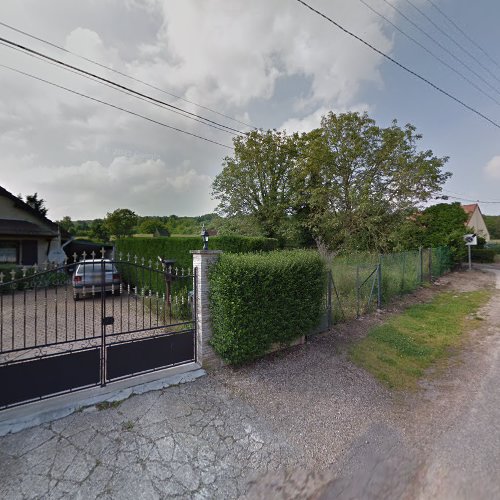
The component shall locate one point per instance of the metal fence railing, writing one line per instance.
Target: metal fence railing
(361, 283)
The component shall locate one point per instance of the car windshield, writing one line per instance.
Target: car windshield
(95, 266)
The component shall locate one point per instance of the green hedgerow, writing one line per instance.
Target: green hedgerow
(258, 300)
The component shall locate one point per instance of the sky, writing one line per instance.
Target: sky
(270, 64)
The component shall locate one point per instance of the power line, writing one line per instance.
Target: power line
(460, 46)
(402, 66)
(114, 84)
(119, 90)
(442, 61)
(464, 33)
(465, 196)
(442, 47)
(470, 199)
(114, 106)
(17, 30)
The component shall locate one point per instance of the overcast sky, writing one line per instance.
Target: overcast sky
(273, 64)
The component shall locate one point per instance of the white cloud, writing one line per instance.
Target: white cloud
(492, 168)
(85, 158)
(313, 120)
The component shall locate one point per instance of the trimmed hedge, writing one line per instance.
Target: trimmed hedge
(257, 300)
(484, 255)
(178, 248)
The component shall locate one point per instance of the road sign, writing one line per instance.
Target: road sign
(470, 239)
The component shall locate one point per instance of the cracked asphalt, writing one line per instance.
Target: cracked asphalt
(305, 423)
(189, 441)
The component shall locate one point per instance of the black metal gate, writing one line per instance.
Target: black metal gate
(91, 322)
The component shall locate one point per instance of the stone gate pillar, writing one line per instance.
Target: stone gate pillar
(205, 355)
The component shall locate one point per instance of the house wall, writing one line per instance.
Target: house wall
(9, 211)
(477, 222)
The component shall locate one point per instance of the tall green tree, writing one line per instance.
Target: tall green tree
(493, 224)
(444, 225)
(357, 182)
(256, 181)
(99, 231)
(150, 225)
(67, 224)
(121, 222)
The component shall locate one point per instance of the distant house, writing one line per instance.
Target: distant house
(26, 236)
(161, 233)
(475, 220)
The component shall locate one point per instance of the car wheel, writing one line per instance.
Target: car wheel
(76, 297)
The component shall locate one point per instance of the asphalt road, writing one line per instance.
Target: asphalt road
(464, 462)
(454, 453)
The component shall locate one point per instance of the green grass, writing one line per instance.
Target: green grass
(106, 405)
(399, 351)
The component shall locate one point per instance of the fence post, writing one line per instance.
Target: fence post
(329, 299)
(357, 292)
(379, 283)
(404, 269)
(421, 261)
(430, 265)
(202, 260)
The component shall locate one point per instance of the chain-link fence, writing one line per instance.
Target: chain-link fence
(360, 283)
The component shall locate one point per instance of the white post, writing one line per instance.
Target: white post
(205, 355)
(470, 258)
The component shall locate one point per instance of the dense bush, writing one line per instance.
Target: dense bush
(178, 248)
(493, 246)
(484, 255)
(257, 300)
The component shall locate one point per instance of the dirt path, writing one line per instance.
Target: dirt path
(441, 442)
(444, 442)
(464, 462)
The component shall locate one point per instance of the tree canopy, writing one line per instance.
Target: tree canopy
(121, 222)
(349, 184)
(150, 225)
(256, 182)
(35, 203)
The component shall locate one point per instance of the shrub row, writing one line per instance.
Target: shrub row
(493, 246)
(484, 255)
(178, 248)
(257, 300)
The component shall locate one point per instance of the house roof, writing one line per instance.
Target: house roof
(24, 206)
(12, 227)
(470, 209)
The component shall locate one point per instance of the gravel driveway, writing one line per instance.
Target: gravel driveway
(298, 424)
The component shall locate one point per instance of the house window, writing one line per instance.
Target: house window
(9, 252)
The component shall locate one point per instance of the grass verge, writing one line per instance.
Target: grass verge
(399, 351)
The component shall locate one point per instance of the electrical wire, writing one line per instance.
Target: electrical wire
(442, 61)
(121, 90)
(470, 199)
(442, 47)
(400, 65)
(98, 78)
(113, 106)
(92, 61)
(460, 46)
(464, 33)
